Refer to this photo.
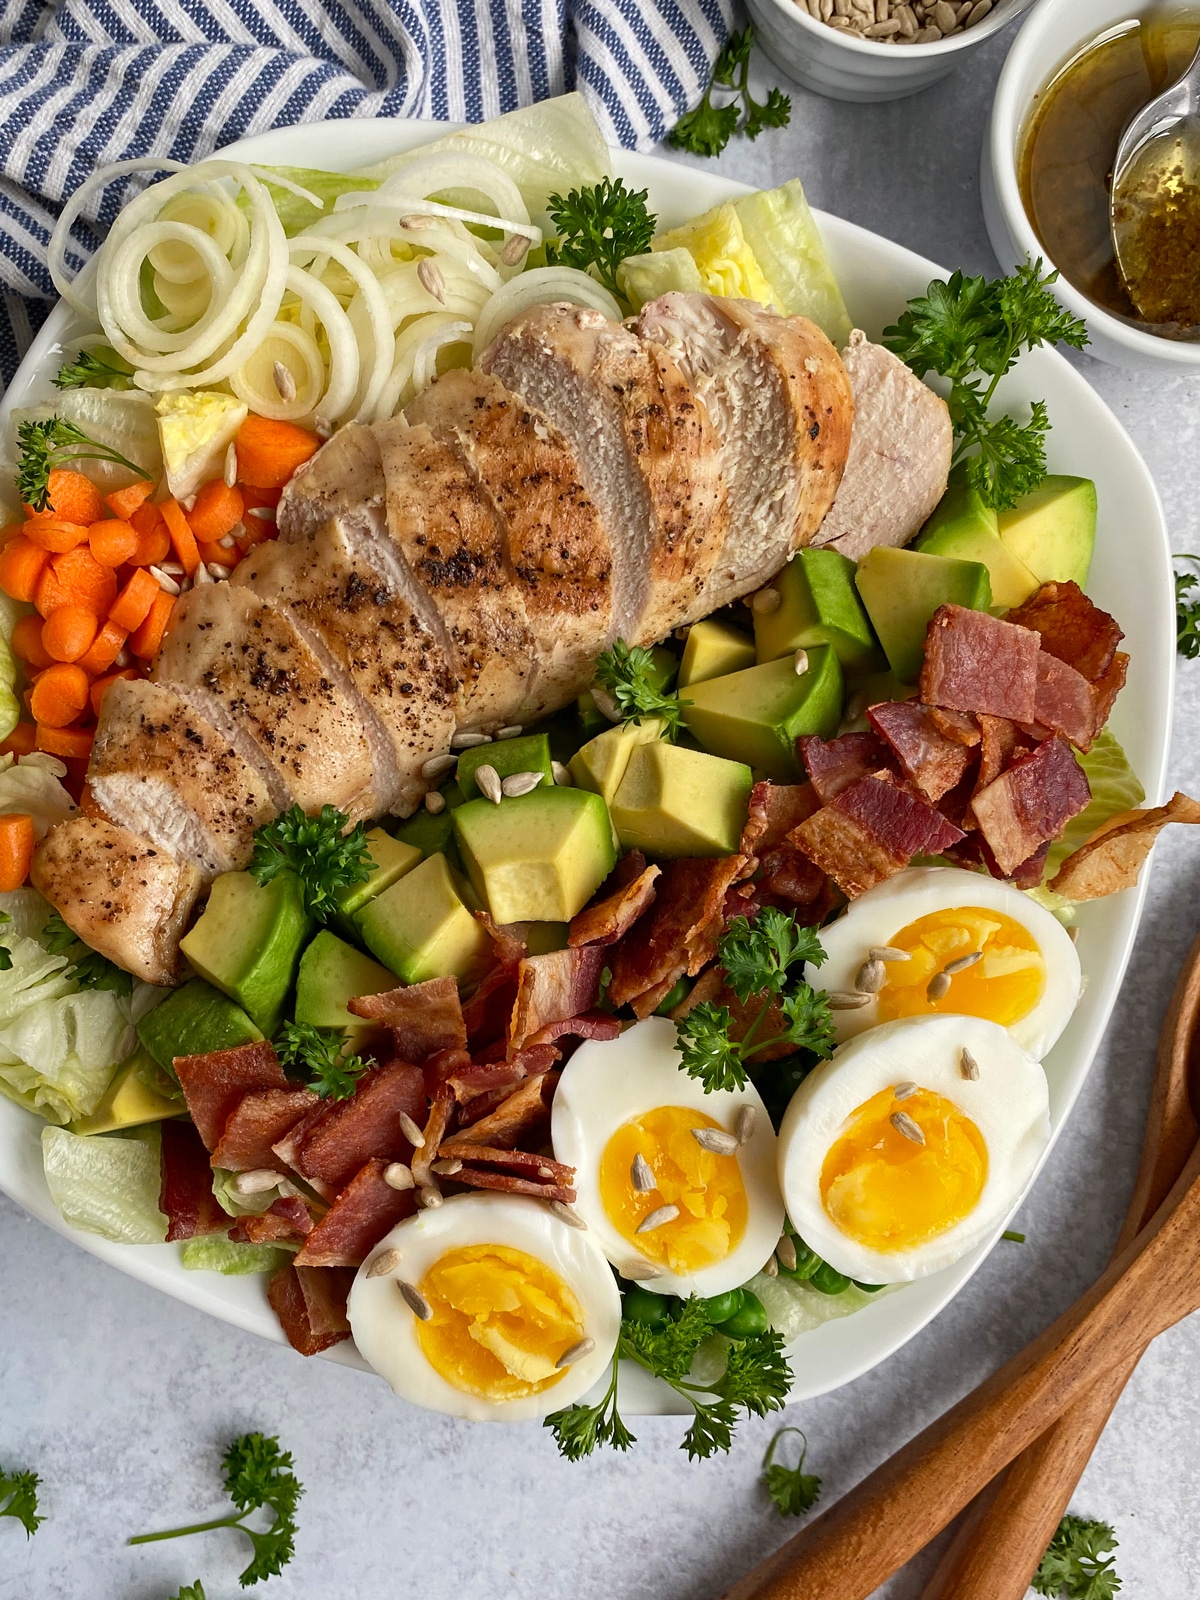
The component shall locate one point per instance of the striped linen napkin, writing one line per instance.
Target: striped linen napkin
(86, 82)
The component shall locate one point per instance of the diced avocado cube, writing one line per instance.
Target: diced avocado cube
(529, 753)
(601, 764)
(131, 1099)
(818, 604)
(539, 857)
(963, 526)
(664, 667)
(713, 649)
(902, 589)
(431, 835)
(1053, 529)
(676, 802)
(192, 1021)
(420, 928)
(757, 715)
(390, 860)
(247, 942)
(332, 972)
(591, 719)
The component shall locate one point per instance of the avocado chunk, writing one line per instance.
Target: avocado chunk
(431, 835)
(539, 857)
(530, 753)
(713, 649)
(132, 1098)
(963, 526)
(676, 802)
(192, 1021)
(247, 942)
(332, 972)
(901, 590)
(601, 764)
(818, 604)
(390, 860)
(1053, 529)
(757, 715)
(420, 927)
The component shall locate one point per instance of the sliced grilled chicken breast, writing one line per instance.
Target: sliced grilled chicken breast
(344, 478)
(646, 450)
(126, 898)
(161, 770)
(780, 401)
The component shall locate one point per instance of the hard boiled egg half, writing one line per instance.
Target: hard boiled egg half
(911, 1144)
(931, 941)
(490, 1307)
(667, 1202)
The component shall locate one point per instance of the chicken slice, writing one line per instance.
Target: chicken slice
(556, 542)
(900, 451)
(334, 587)
(162, 771)
(343, 479)
(247, 661)
(646, 449)
(128, 899)
(778, 395)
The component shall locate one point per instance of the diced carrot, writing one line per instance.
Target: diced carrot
(73, 498)
(59, 695)
(269, 452)
(102, 685)
(68, 632)
(55, 535)
(146, 516)
(144, 641)
(154, 546)
(75, 579)
(21, 741)
(27, 642)
(182, 537)
(219, 554)
(106, 647)
(256, 533)
(69, 744)
(254, 497)
(124, 502)
(21, 567)
(132, 605)
(17, 840)
(218, 508)
(114, 542)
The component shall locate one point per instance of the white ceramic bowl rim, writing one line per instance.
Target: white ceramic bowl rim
(1004, 12)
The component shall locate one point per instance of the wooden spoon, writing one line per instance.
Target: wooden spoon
(1152, 1283)
(1000, 1542)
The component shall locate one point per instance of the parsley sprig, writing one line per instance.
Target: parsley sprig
(1187, 611)
(793, 1490)
(628, 673)
(323, 854)
(18, 1499)
(89, 969)
(258, 1475)
(1074, 1567)
(756, 1380)
(190, 1591)
(43, 446)
(972, 331)
(758, 958)
(708, 129)
(316, 1053)
(598, 227)
(94, 369)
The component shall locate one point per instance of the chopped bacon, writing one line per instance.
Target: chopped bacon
(622, 897)
(544, 1167)
(476, 1080)
(332, 1143)
(441, 1066)
(1030, 802)
(423, 1017)
(510, 945)
(436, 1126)
(554, 987)
(256, 1124)
(523, 1111)
(285, 1220)
(1029, 874)
(1065, 703)
(213, 1084)
(482, 1178)
(834, 764)
(186, 1196)
(870, 831)
(775, 809)
(975, 662)
(678, 934)
(590, 1025)
(1071, 628)
(365, 1210)
(789, 879)
(927, 758)
(310, 1302)
(1112, 857)
(961, 726)
(997, 744)
(1107, 687)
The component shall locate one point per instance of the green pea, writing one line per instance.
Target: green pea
(807, 1262)
(642, 1305)
(829, 1280)
(722, 1306)
(675, 997)
(749, 1318)
(868, 1288)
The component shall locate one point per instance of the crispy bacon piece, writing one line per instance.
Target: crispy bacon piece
(523, 1111)
(1107, 687)
(333, 1142)
(363, 1212)
(554, 987)
(256, 1124)
(1065, 702)
(975, 662)
(486, 1014)
(926, 757)
(1112, 858)
(711, 985)
(834, 764)
(775, 809)
(310, 1303)
(526, 1161)
(186, 1196)
(481, 1077)
(285, 1220)
(483, 1178)
(1029, 874)
(591, 1025)
(213, 1084)
(997, 743)
(441, 1066)
(870, 831)
(510, 945)
(1071, 628)
(961, 726)
(622, 898)
(423, 1017)
(677, 935)
(436, 1126)
(1030, 802)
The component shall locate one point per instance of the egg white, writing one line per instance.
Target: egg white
(385, 1330)
(603, 1086)
(876, 917)
(1008, 1103)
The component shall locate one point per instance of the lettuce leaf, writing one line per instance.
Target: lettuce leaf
(293, 211)
(58, 1056)
(1115, 788)
(240, 1205)
(32, 784)
(213, 1252)
(107, 1184)
(794, 1308)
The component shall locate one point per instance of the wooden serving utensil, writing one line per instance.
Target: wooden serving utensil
(1152, 1283)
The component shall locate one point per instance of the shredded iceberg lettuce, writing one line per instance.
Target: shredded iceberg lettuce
(240, 1205)
(31, 784)
(794, 1308)
(215, 1253)
(107, 1183)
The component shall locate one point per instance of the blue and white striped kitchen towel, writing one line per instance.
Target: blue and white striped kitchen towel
(86, 82)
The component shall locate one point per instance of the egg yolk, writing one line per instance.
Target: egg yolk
(707, 1189)
(501, 1320)
(891, 1193)
(1003, 986)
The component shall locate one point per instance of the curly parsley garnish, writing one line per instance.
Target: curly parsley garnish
(630, 675)
(599, 227)
(1074, 1567)
(793, 1490)
(320, 850)
(1187, 610)
(18, 1499)
(316, 1054)
(94, 369)
(190, 1591)
(89, 969)
(43, 446)
(708, 129)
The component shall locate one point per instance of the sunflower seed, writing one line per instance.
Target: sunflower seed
(512, 732)
(164, 580)
(640, 1175)
(414, 1300)
(256, 1182)
(567, 1214)
(124, 658)
(785, 1252)
(432, 279)
(872, 976)
(716, 1140)
(228, 542)
(839, 1000)
(516, 250)
(429, 1197)
(414, 221)
(231, 466)
(978, 11)
(172, 569)
(771, 1267)
(943, 16)
(411, 1131)
(657, 1218)
(487, 781)
(384, 1264)
(800, 662)
(322, 427)
(188, 502)
(907, 18)
(766, 601)
(284, 382)
(519, 783)
(397, 1176)
(469, 741)
(217, 572)
(904, 1124)
(930, 34)
(961, 963)
(263, 513)
(939, 987)
(744, 1123)
(435, 802)
(447, 1168)
(640, 1270)
(606, 705)
(969, 1065)
(576, 1353)
(904, 1091)
(203, 575)
(888, 952)
(882, 30)
(438, 766)
(562, 775)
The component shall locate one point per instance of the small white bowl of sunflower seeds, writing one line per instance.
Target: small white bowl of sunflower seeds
(876, 49)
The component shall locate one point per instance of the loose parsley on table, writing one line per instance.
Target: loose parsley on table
(258, 1474)
(319, 850)
(18, 1499)
(190, 1591)
(628, 674)
(1074, 1567)
(89, 969)
(793, 1490)
(708, 129)
(598, 228)
(972, 331)
(1187, 610)
(43, 446)
(314, 1052)
(94, 369)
